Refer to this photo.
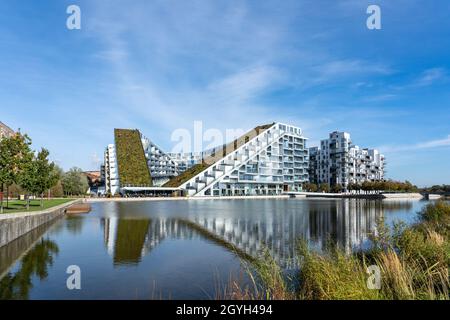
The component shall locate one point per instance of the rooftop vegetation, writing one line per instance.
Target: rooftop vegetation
(225, 150)
(132, 164)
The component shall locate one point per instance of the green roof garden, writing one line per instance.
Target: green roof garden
(132, 164)
(225, 150)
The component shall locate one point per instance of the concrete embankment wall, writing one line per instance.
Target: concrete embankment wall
(373, 196)
(16, 249)
(402, 196)
(15, 225)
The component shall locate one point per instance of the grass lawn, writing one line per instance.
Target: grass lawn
(35, 205)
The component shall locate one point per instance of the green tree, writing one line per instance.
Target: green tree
(27, 178)
(311, 187)
(74, 182)
(40, 175)
(367, 186)
(15, 155)
(324, 187)
(336, 188)
(57, 189)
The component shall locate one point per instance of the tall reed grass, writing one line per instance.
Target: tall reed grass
(413, 262)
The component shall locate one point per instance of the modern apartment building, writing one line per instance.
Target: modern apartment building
(339, 162)
(162, 166)
(134, 162)
(5, 131)
(267, 160)
(313, 165)
(187, 160)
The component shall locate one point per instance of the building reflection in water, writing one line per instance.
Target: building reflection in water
(346, 224)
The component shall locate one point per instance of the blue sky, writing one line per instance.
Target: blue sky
(161, 65)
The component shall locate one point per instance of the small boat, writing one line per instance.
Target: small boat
(79, 208)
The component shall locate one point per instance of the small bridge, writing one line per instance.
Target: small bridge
(294, 194)
(434, 196)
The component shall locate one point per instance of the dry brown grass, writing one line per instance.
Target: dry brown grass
(414, 264)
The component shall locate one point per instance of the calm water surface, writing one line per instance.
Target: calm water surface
(179, 249)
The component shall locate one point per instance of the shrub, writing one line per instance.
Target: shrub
(437, 216)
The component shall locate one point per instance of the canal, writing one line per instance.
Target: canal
(180, 249)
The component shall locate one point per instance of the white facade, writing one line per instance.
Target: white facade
(274, 161)
(187, 160)
(161, 165)
(112, 182)
(338, 161)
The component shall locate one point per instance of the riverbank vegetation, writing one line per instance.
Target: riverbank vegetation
(365, 187)
(413, 263)
(443, 189)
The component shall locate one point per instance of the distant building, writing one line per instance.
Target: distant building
(5, 131)
(93, 178)
(95, 182)
(339, 162)
(313, 165)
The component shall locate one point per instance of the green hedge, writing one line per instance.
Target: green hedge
(132, 164)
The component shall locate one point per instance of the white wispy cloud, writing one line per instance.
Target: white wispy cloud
(438, 143)
(380, 97)
(245, 85)
(340, 68)
(430, 76)
(187, 68)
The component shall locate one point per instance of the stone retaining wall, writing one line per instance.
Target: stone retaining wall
(14, 225)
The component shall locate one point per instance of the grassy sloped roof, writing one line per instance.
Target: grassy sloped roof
(213, 158)
(132, 164)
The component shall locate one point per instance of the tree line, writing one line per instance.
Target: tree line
(440, 189)
(29, 172)
(366, 186)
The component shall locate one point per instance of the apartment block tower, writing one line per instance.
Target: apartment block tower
(339, 162)
(313, 165)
